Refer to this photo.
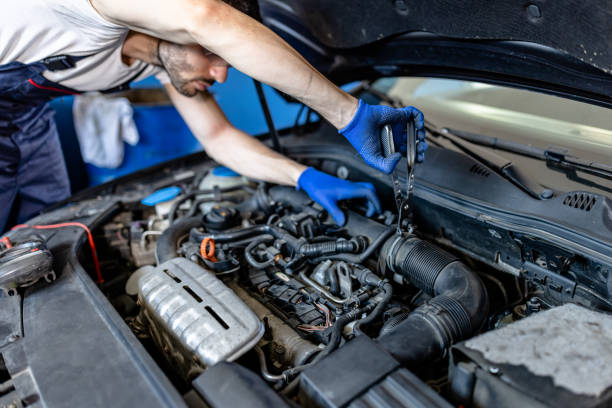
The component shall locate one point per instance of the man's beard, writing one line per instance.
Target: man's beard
(182, 86)
(185, 86)
(173, 61)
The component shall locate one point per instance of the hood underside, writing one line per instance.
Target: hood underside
(557, 47)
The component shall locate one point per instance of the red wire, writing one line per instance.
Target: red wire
(48, 88)
(7, 242)
(92, 245)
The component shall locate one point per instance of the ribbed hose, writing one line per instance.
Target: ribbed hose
(457, 310)
(329, 248)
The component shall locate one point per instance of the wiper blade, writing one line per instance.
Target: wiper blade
(499, 164)
(554, 157)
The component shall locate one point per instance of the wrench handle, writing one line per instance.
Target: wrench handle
(386, 141)
(411, 143)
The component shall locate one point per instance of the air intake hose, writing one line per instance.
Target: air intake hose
(457, 310)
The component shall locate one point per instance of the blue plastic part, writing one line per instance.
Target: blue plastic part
(165, 194)
(222, 171)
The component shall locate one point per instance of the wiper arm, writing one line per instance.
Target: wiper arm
(499, 164)
(554, 157)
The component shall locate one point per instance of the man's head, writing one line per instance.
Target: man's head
(193, 69)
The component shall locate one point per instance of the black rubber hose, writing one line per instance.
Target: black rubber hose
(193, 194)
(334, 285)
(393, 322)
(251, 259)
(166, 247)
(290, 197)
(297, 245)
(329, 248)
(357, 259)
(368, 278)
(458, 309)
(278, 233)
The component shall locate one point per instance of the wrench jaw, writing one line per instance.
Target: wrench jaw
(405, 214)
(404, 203)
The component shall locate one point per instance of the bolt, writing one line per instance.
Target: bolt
(401, 7)
(533, 11)
(546, 194)
(494, 370)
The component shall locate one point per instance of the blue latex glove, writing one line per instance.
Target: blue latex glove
(364, 133)
(328, 190)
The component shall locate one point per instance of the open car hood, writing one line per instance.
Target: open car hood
(561, 47)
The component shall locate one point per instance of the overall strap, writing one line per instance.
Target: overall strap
(126, 85)
(62, 62)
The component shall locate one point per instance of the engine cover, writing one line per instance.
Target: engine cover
(190, 313)
(559, 357)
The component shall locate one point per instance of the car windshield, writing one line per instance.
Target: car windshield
(521, 116)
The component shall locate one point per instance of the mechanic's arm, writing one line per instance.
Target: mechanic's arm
(243, 42)
(247, 155)
(230, 146)
(256, 51)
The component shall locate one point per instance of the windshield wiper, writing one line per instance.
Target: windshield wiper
(555, 157)
(497, 163)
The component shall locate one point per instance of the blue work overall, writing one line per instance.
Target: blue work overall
(33, 174)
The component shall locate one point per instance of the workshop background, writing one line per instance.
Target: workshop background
(156, 121)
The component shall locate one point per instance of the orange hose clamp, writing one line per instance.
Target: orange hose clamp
(207, 249)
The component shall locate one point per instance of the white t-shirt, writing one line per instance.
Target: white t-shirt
(31, 30)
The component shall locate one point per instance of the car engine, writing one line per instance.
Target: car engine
(245, 283)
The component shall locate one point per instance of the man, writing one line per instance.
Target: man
(59, 47)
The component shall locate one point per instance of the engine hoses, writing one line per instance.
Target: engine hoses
(456, 311)
(251, 259)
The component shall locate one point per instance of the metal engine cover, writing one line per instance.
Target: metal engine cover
(194, 318)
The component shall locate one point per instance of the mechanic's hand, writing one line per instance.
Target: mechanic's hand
(364, 133)
(328, 190)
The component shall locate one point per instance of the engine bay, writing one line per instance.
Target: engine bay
(241, 281)
(205, 287)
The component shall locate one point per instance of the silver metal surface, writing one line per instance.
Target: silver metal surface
(193, 314)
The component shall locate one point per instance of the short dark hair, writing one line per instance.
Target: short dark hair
(248, 7)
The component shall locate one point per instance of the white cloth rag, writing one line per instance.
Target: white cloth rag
(102, 124)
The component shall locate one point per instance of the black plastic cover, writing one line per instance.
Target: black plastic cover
(346, 373)
(361, 374)
(231, 385)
